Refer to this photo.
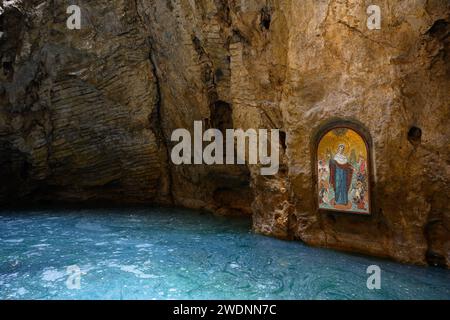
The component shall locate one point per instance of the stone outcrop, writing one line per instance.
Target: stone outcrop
(87, 115)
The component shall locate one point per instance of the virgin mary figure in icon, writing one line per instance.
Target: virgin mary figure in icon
(341, 174)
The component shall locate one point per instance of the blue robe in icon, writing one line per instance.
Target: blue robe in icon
(341, 179)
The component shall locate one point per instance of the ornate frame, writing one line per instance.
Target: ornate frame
(363, 133)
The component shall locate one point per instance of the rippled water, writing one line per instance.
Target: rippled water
(179, 254)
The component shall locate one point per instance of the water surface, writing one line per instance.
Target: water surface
(179, 254)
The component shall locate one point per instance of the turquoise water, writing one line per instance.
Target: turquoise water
(179, 254)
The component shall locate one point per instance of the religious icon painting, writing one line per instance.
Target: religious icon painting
(343, 172)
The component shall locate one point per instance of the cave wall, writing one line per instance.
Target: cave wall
(78, 108)
(88, 114)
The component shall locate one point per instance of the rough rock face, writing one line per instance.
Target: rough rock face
(88, 114)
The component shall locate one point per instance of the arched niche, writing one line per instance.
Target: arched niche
(343, 170)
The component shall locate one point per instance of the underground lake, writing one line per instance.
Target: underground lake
(163, 253)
